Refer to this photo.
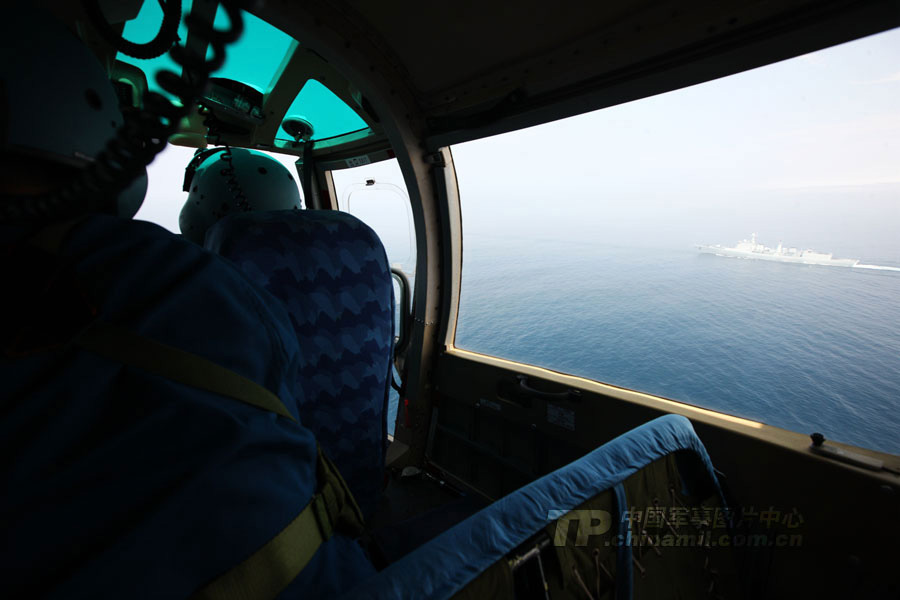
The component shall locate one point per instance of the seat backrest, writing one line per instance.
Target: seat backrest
(331, 272)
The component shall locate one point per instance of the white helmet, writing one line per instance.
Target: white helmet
(60, 106)
(220, 182)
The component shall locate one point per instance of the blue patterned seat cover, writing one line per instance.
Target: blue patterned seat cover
(331, 272)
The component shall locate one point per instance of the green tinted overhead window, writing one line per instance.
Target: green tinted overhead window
(254, 59)
(329, 114)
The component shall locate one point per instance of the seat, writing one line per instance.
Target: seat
(572, 533)
(583, 531)
(331, 272)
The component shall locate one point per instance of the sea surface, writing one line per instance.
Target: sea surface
(806, 348)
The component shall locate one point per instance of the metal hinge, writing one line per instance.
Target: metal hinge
(436, 158)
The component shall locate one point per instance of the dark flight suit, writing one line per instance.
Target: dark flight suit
(119, 482)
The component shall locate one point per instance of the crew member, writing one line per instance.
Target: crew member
(149, 438)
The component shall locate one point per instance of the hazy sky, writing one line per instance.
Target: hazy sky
(806, 150)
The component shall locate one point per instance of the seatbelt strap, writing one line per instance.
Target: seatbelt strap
(266, 572)
(121, 345)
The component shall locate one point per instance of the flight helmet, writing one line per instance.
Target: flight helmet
(224, 181)
(57, 103)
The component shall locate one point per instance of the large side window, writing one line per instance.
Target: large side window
(734, 245)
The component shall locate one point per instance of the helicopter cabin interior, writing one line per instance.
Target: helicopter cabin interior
(333, 85)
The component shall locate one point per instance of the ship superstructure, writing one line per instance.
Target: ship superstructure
(754, 250)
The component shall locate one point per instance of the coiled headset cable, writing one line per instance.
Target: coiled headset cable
(159, 45)
(144, 133)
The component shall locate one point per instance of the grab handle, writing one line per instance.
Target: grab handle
(524, 388)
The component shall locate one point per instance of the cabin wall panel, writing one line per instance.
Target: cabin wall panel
(849, 527)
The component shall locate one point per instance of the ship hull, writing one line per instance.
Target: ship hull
(735, 253)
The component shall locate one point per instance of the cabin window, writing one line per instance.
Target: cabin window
(254, 59)
(329, 115)
(582, 247)
(376, 194)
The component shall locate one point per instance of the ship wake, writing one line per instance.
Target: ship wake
(876, 267)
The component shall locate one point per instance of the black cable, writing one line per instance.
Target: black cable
(142, 136)
(215, 127)
(159, 45)
(234, 186)
(199, 156)
(306, 182)
(399, 387)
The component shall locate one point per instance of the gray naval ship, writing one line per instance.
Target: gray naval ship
(754, 250)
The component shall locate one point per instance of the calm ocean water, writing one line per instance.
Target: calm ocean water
(801, 347)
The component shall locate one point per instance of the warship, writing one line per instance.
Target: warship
(754, 250)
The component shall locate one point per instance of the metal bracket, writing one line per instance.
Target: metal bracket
(435, 158)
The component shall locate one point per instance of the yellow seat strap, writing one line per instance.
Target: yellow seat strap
(178, 365)
(265, 573)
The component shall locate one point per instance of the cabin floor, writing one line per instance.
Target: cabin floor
(416, 507)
